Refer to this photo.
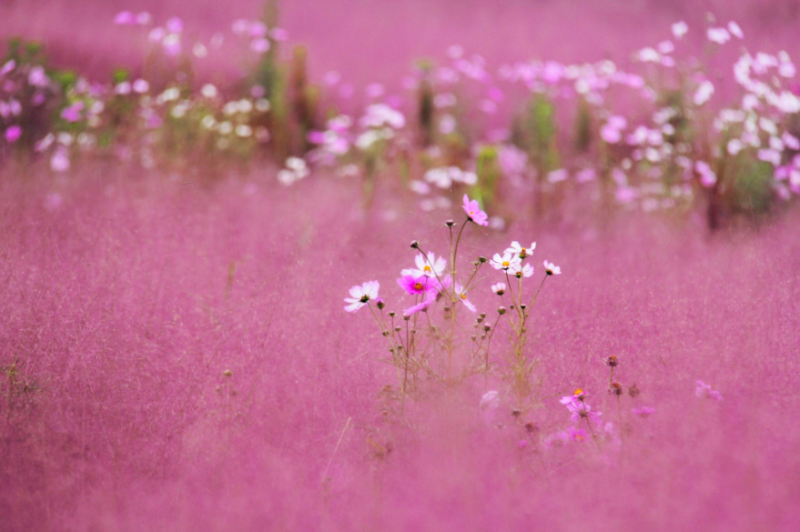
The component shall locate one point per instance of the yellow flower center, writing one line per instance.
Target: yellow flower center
(418, 286)
(464, 296)
(427, 268)
(506, 264)
(578, 392)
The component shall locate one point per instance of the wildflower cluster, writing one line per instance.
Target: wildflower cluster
(427, 340)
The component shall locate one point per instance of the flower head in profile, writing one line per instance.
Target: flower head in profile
(705, 391)
(551, 269)
(520, 251)
(428, 265)
(499, 288)
(503, 262)
(462, 296)
(474, 212)
(519, 270)
(361, 295)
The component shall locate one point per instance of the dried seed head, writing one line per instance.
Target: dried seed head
(612, 361)
(633, 391)
(516, 412)
(531, 427)
(616, 389)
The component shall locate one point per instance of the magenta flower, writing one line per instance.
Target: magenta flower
(361, 295)
(13, 133)
(474, 212)
(418, 285)
(430, 298)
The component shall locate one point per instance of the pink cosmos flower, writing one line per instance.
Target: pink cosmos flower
(521, 251)
(418, 285)
(361, 295)
(13, 133)
(462, 296)
(551, 269)
(705, 391)
(474, 212)
(579, 408)
(430, 298)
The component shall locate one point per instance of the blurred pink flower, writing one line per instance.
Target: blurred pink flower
(72, 113)
(260, 46)
(705, 391)
(474, 212)
(576, 434)
(13, 133)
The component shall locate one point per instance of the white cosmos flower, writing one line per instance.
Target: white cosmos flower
(521, 271)
(361, 295)
(429, 267)
(499, 288)
(520, 251)
(504, 262)
(551, 269)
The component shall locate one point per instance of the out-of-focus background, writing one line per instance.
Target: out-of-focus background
(373, 40)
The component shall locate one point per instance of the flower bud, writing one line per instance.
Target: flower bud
(415, 244)
(449, 223)
(501, 310)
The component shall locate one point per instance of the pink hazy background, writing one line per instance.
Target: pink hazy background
(121, 316)
(373, 40)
